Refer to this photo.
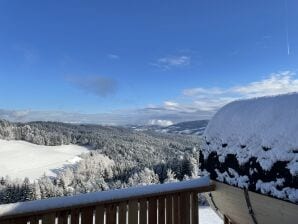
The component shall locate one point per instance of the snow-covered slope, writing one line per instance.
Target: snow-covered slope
(19, 159)
(253, 143)
(186, 128)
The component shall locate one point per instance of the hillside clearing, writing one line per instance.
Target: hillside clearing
(19, 159)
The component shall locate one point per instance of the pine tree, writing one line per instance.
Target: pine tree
(170, 177)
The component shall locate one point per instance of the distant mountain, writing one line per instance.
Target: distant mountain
(186, 128)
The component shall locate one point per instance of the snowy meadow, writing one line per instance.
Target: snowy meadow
(19, 159)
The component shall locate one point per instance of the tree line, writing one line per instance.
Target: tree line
(118, 158)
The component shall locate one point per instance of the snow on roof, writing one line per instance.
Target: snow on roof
(265, 128)
(99, 197)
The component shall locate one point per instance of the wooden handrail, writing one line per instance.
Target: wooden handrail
(162, 200)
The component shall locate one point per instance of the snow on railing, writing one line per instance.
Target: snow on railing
(169, 202)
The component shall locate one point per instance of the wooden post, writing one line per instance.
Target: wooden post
(161, 210)
(133, 212)
(152, 211)
(143, 211)
(111, 214)
(169, 209)
(194, 208)
(87, 215)
(49, 218)
(185, 208)
(122, 212)
(75, 216)
(99, 214)
(176, 209)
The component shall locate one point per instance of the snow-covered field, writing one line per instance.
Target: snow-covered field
(208, 216)
(19, 159)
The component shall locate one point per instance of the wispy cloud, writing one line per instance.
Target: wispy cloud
(193, 104)
(97, 85)
(211, 99)
(172, 61)
(199, 90)
(277, 83)
(113, 56)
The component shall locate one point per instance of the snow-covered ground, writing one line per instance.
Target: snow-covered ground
(208, 216)
(19, 159)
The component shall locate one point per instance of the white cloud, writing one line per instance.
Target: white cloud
(212, 104)
(277, 83)
(170, 105)
(169, 62)
(163, 123)
(196, 91)
(193, 104)
(211, 99)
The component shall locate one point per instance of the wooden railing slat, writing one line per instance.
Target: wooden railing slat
(63, 217)
(194, 208)
(169, 206)
(111, 214)
(33, 220)
(133, 212)
(176, 209)
(185, 208)
(152, 211)
(143, 211)
(122, 212)
(22, 220)
(161, 210)
(87, 215)
(49, 218)
(99, 214)
(169, 209)
(75, 216)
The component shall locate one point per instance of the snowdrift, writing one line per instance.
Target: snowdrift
(253, 144)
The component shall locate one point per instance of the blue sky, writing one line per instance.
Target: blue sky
(150, 60)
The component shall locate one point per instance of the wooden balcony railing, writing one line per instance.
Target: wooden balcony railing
(171, 203)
